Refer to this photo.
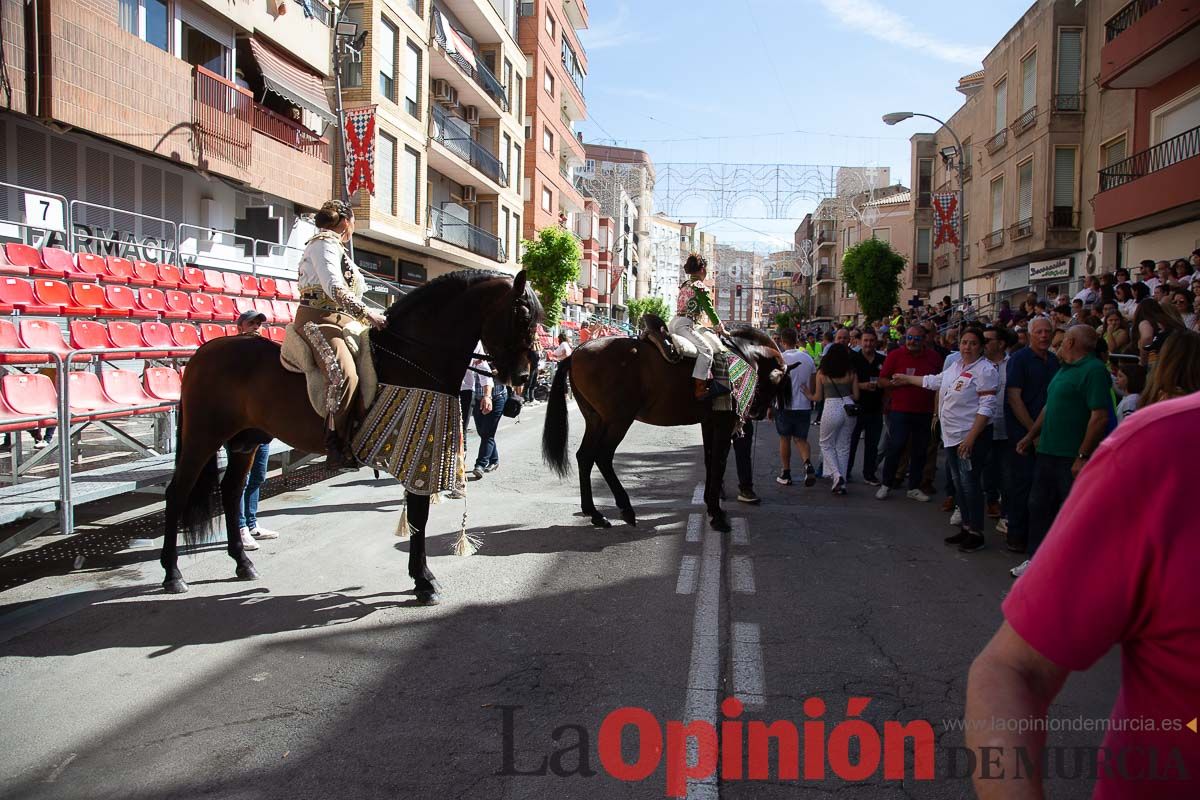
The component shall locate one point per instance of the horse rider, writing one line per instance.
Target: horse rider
(331, 309)
(694, 302)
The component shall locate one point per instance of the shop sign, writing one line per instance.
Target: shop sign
(1055, 269)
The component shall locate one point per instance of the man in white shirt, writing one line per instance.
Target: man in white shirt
(1089, 295)
(792, 421)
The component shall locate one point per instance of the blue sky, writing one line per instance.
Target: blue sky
(739, 69)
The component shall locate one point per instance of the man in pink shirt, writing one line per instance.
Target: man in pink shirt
(1119, 567)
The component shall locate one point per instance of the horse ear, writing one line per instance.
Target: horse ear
(519, 284)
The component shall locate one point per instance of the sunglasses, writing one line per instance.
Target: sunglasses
(914, 338)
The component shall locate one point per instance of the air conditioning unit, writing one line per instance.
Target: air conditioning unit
(471, 114)
(444, 93)
(1094, 246)
(469, 195)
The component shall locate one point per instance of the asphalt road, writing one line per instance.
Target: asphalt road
(324, 679)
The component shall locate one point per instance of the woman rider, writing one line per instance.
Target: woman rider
(331, 289)
(694, 301)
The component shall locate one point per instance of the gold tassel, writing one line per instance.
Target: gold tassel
(466, 544)
(402, 529)
(435, 498)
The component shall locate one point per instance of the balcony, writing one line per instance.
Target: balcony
(1152, 188)
(941, 262)
(577, 13)
(1147, 41)
(1063, 219)
(1023, 229)
(460, 233)
(454, 135)
(997, 142)
(1025, 121)
(573, 66)
(467, 63)
(294, 135)
(590, 295)
(223, 117)
(1068, 103)
(994, 239)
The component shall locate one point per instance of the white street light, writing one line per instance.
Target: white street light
(897, 116)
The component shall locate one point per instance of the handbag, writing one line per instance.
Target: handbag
(851, 408)
(512, 406)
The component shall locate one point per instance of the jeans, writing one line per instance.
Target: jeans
(1020, 483)
(743, 449)
(1052, 480)
(248, 507)
(968, 479)
(486, 425)
(904, 426)
(870, 426)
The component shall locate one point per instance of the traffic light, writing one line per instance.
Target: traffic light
(738, 292)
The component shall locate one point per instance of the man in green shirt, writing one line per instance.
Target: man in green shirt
(1078, 414)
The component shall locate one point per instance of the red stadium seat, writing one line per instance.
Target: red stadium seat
(158, 336)
(9, 268)
(55, 263)
(87, 398)
(231, 330)
(185, 335)
(124, 333)
(283, 311)
(193, 279)
(276, 334)
(53, 293)
(10, 341)
(249, 285)
(210, 331)
(244, 304)
(169, 277)
(88, 335)
(87, 300)
(118, 270)
(179, 304)
(153, 300)
(122, 303)
(267, 287)
(264, 306)
(213, 282)
(223, 308)
(42, 334)
(8, 417)
(144, 274)
(202, 307)
(162, 383)
(17, 293)
(233, 282)
(125, 388)
(286, 289)
(89, 266)
(31, 395)
(22, 255)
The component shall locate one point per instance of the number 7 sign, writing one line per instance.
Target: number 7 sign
(45, 212)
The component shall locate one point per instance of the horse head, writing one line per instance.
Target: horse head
(509, 328)
(772, 370)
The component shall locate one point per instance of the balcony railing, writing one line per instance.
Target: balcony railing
(447, 228)
(942, 261)
(1124, 19)
(466, 148)
(1063, 219)
(223, 115)
(1164, 154)
(470, 63)
(1068, 102)
(994, 239)
(996, 142)
(1025, 121)
(293, 134)
(1021, 230)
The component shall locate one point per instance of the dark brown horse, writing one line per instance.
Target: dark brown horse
(617, 381)
(235, 392)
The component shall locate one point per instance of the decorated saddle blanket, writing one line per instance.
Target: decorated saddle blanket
(297, 356)
(414, 435)
(742, 379)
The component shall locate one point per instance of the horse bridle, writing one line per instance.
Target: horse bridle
(425, 345)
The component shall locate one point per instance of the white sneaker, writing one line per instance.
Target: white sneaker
(248, 542)
(1019, 570)
(1002, 525)
(918, 495)
(264, 533)
(956, 518)
(883, 493)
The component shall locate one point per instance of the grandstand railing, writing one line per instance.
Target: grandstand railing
(119, 219)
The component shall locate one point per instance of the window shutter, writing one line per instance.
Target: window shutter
(997, 205)
(385, 171)
(1001, 105)
(1069, 60)
(1029, 82)
(1025, 192)
(1064, 177)
(1114, 152)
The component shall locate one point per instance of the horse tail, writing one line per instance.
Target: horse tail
(554, 434)
(196, 509)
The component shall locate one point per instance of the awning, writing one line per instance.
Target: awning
(291, 82)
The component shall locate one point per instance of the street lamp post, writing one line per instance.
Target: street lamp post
(900, 116)
(347, 41)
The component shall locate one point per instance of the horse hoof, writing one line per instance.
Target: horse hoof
(600, 521)
(247, 572)
(428, 598)
(721, 523)
(177, 586)
(629, 517)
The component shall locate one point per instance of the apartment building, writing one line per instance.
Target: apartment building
(1148, 181)
(669, 249)
(611, 173)
(824, 237)
(738, 277)
(554, 105)
(154, 125)
(446, 80)
(804, 243)
(883, 214)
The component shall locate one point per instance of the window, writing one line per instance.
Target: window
(1001, 98)
(548, 83)
(517, 233)
(385, 52)
(1029, 82)
(410, 186)
(508, 158)
(1064, 184)
(547, 199)
(1112, 152)
(149, 20)
(549, 25)
(882, 234)
(966, 250)
(924, 182)
(997, 205)
(1173, 119)
(385, 172)
(547, 140)
(1070, 68)
(412, 80)
(508, 81)
(352, 76)
(520, 166)
(519, 108)
(415, 6)
(1025, 198)
(201, 50)
(504, 232)
(924, 249)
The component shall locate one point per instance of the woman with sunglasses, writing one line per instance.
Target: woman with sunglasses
(1183, 300)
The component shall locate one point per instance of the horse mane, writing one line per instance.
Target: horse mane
(441, 289)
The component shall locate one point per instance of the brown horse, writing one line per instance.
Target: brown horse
(236, 393)
(619, 380)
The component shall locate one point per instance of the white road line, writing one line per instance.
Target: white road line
(688, 573)
(695, 525)
(704, 676)
(741, 531)
(741, 570)
(698, 495)
(748, 682)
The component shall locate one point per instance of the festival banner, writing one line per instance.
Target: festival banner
(945, 221)
(360, 150)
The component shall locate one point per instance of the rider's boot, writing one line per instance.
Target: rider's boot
(712, 389)
(337, 455)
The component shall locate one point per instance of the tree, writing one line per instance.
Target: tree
(788, 319)
(641, 306)
(871, 270)
(551, 262)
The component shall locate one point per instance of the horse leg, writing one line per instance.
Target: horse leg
(418, 565)
(613, 435)
(187, 472)
(233, 487)
(585, 457)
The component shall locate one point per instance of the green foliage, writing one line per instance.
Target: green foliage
(871, 270)
(788, 319)
(647, 305)
(551, 262)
